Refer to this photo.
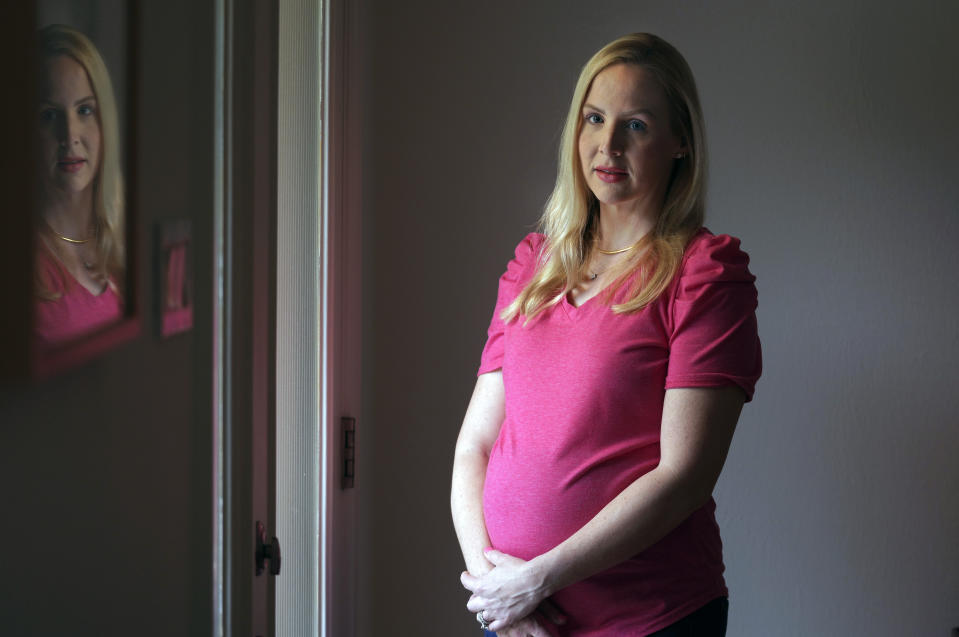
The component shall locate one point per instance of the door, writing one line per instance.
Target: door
(290, 365)
(244, 379)
(107, 467)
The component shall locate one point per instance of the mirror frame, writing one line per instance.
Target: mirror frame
(23, 361)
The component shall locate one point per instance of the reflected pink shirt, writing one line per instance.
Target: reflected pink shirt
(76, 312)
(584, 400)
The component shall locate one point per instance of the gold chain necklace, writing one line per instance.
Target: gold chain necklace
(620, 251)
(67, 239)
(593, 275)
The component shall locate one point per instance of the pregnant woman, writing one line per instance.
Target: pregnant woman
(621, 350)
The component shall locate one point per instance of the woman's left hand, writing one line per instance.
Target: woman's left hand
(528, 627)
(508, 593)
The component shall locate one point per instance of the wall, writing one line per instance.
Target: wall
(832, 129)
(107, 469)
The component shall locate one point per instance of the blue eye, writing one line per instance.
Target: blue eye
(85, 109)
(637, 125)
(48, 115)
(594, 118)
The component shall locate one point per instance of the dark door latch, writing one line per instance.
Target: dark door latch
(266, 551)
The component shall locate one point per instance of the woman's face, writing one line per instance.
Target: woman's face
(626, 144)
(69, 127)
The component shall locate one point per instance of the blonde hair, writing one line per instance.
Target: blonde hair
(108, 198)
(570, 217)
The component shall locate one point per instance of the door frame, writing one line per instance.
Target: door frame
(256, 371)
(344, 117)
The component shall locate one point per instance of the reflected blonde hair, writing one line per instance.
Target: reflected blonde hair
(572, 211)
(108, 197)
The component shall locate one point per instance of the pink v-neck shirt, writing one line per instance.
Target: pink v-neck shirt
(584, 402)
(76, 312)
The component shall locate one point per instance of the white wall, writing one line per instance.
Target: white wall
(833, 150)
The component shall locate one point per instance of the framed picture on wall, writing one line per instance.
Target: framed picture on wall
(174, 277)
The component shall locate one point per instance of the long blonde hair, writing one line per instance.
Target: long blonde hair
(108, 197)
(571, 213)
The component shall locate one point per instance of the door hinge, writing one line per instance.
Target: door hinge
(349, 450)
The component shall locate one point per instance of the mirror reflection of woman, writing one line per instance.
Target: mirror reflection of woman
(79, 251)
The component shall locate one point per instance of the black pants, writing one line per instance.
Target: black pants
(708, 621)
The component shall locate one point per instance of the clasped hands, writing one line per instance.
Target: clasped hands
(509, 594)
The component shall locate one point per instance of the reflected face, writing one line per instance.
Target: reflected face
(69, 127)
(626, 144)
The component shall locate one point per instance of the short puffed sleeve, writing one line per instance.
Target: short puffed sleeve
(714, 340)
(518, 273)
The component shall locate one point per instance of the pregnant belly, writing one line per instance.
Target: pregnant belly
(534, 501)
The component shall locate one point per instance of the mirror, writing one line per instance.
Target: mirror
(83, 279)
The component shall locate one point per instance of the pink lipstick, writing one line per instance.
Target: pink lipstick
(610, 174)
(71, 164)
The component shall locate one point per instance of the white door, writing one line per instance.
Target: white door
(291, 319)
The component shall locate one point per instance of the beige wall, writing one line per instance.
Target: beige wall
(833, 131)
